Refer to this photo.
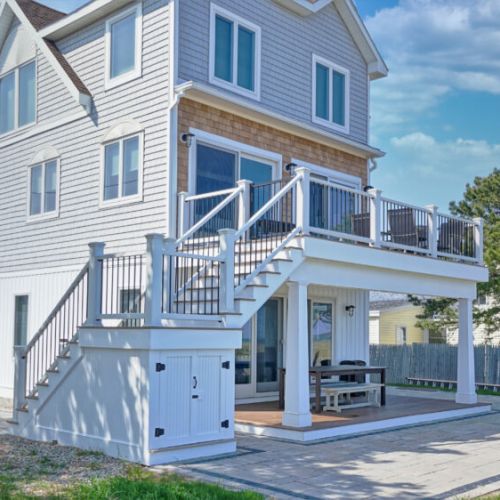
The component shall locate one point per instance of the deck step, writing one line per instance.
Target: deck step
(42, 384)
(12, 422)
(32, 397)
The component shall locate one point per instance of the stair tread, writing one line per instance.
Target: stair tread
(33, 398)
(12, 422)
(42, 384)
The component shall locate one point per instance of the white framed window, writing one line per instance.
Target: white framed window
(330, 94)
(124, 47)
(401, 335)
(43, 189)
(235, 47)
(18, 98)
(121, 173)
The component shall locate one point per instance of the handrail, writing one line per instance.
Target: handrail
(56, 309)
(209, 216)
(211, 194)
(335, 185)
(255, 217)
(406, 205)
(459, 219)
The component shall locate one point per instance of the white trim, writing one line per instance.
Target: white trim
(136, 72)
(335, 176)
(237, 21)
(224, 101)
(123, 128)
(238, 148)
(122, 200)
(43, 215)
(347, 94)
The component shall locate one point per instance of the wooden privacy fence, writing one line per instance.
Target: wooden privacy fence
(433, 361)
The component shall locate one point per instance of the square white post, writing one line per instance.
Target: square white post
(19, 378)
(297, 411)
(303, 190)
(244, 202)
(94, 286)
(182, 214)
(375, 214)
(466, 377)
(433, 230)
(154, 280)
(479, 239)
(169, 291)
(226, 281)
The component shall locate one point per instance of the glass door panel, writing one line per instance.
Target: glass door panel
(269, 346)
(261, 174)
(243, 363)
(321, 333)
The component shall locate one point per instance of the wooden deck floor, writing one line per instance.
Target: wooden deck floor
(268, 414)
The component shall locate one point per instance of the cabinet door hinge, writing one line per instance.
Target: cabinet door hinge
(160, 367)
(226, 365)
(225, 424)
(159, 432)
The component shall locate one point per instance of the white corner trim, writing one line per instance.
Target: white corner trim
(80, 98)
(136, 72)
(238, 21)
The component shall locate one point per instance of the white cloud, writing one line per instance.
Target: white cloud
(434, 47)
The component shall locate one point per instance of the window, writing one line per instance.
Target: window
(401, 335)
(18, 98)
(330, 94)
(321, 333)
(122, 176)
(43, 189)
(124, 47)
(21, 320)
(234, 53)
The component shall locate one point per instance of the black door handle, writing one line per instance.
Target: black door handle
(195, 382)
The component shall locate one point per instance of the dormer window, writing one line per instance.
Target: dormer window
(124, 46)
(330, 95)
(234, 53)
(18, 98)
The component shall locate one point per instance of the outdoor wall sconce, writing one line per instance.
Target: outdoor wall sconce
(187, 139)
(289, 168)
(350, 310)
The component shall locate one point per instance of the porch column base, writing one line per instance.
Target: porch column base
(297, 419)
(466, 399)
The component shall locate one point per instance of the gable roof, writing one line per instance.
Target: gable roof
(35, 17)
(350, 15)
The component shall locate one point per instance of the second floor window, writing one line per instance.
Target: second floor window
(235, 53)
(124, 46)
(330, 95)
(43, 189)
(122, 170)
(18, 98)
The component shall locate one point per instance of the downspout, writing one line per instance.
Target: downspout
(371, 168)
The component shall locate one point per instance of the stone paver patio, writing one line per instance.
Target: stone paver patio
(455, 459)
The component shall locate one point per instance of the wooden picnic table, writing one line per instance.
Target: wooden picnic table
(319, 372)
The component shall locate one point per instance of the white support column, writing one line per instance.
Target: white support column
(244, 202)
(226, 284)
(170, 247)
(154, 280)
(94, 286)
(433, 229)
(479, 239)
(297, 411)
(182, 214)
(466, 383)
(303, 199)
(375, 214)
(19, 378)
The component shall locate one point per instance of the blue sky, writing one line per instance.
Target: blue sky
(437, 115)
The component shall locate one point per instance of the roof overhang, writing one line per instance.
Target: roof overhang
(349, 14)
(225, 101)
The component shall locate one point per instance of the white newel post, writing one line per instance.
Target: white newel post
(154, 280)
(479, 239)
(226, 287)
(433, 229)
(19, 377)
(182, 214)
(96, 252)
(170, 247)
(297, 411)
(244, 202)
(303, 199)
(375, 215)
(466, 380)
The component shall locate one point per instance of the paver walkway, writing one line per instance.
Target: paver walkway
(459, 459)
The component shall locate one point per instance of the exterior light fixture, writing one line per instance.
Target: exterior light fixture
(187, 139)
(350, 310)
(289, 168)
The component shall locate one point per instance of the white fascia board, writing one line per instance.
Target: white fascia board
(81, 98)
(304, 7)
(80, 18)
(225, 101)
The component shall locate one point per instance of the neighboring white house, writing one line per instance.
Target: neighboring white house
(184, 215)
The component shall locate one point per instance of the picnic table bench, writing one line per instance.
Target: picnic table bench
(336, 390)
